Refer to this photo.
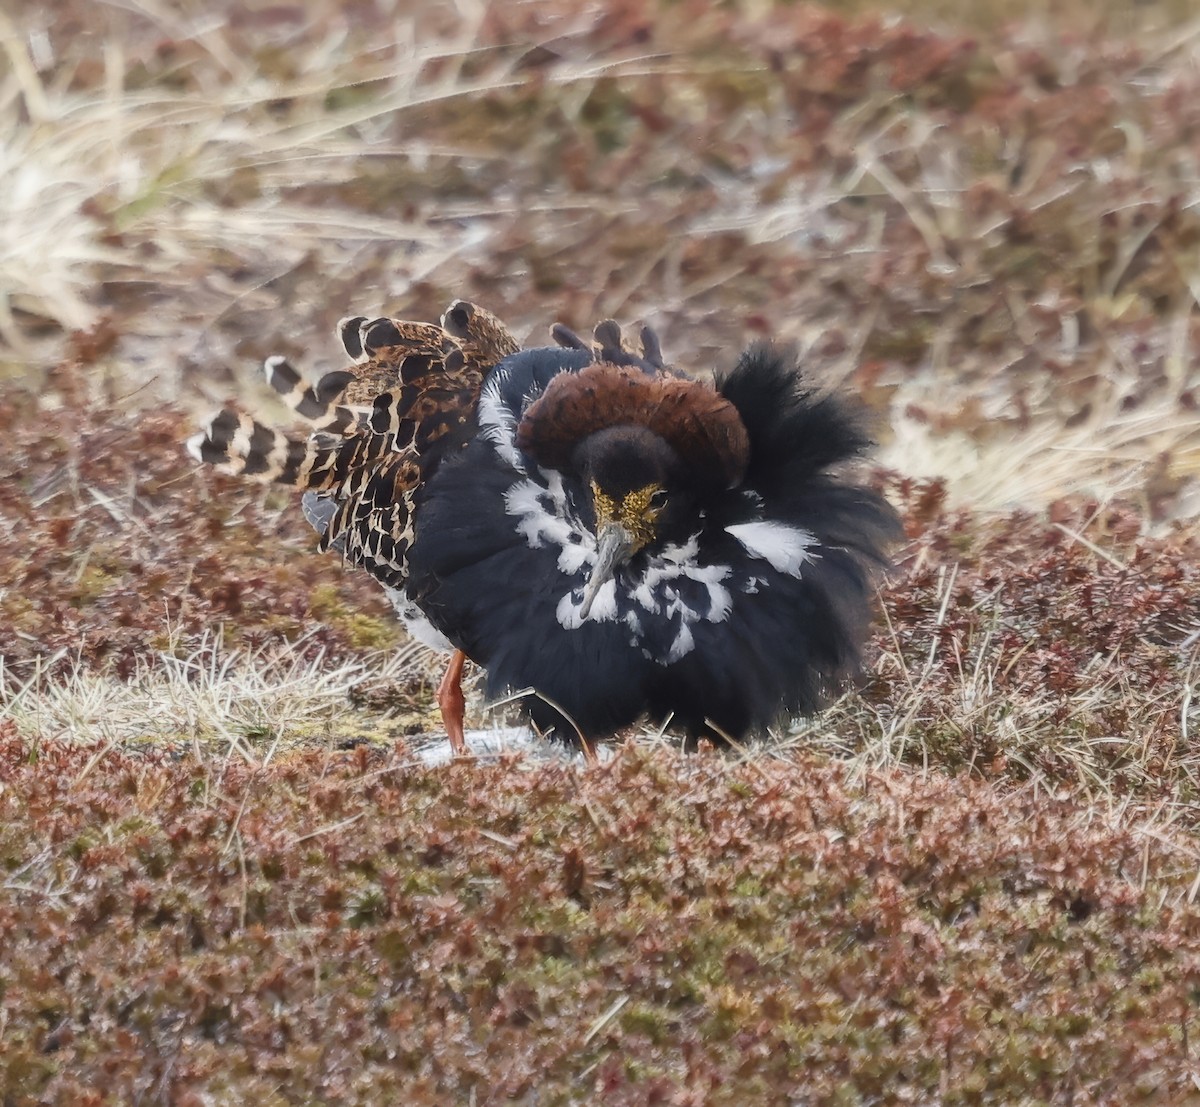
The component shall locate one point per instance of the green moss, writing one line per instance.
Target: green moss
(648, 1019)
(367, 907)
(423, 882)
(258, 733)
(364, 632)
(90, 585)
(23, 1071)
(330, 606)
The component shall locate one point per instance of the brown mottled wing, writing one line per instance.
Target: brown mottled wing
(701, 426)
(321, 462)
(374, 524)
(315, 402)
(435, 373)
(435, 402)
(380, 428)
(483, 339)
(393, 353)
(414, 384)
(387, 352)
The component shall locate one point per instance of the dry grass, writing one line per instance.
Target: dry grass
(242, 702)
(127, 174)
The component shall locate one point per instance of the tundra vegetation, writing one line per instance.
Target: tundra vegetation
(228, 874)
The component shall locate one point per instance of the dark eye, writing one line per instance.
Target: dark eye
(659, 499)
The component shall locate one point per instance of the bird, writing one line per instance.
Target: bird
(606, 536)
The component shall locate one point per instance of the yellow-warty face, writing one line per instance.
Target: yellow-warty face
(637, 512)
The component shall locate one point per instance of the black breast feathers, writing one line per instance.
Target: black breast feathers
(620, 540)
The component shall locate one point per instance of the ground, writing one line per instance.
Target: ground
(228, 872)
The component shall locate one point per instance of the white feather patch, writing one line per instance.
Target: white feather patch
(415, 622)
(497, 423)
(541, 524)
(786, 549)
(683, 645)
(664, 588)
(195, 443)
(604, 607)
(681, 561)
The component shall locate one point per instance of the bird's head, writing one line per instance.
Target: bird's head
(646, 447)
(634, 478)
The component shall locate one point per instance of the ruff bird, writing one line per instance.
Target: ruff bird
(607, 538)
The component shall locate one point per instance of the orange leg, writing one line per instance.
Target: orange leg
(450, 701)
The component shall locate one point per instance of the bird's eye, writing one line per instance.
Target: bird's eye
(658, 499)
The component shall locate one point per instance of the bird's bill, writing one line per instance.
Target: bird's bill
(614, 546)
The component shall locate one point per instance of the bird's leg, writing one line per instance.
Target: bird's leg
(451, 703)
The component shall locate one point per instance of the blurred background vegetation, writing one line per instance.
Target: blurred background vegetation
(983, 215)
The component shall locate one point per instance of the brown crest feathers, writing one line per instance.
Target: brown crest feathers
(700, 425)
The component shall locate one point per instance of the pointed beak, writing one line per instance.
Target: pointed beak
(614, 546)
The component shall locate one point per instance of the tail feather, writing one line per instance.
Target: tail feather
(241, 446)
(315, 402)
(610, 345)
(481, 337)
(349, 334)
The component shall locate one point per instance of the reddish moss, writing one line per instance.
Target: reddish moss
(697, 928)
